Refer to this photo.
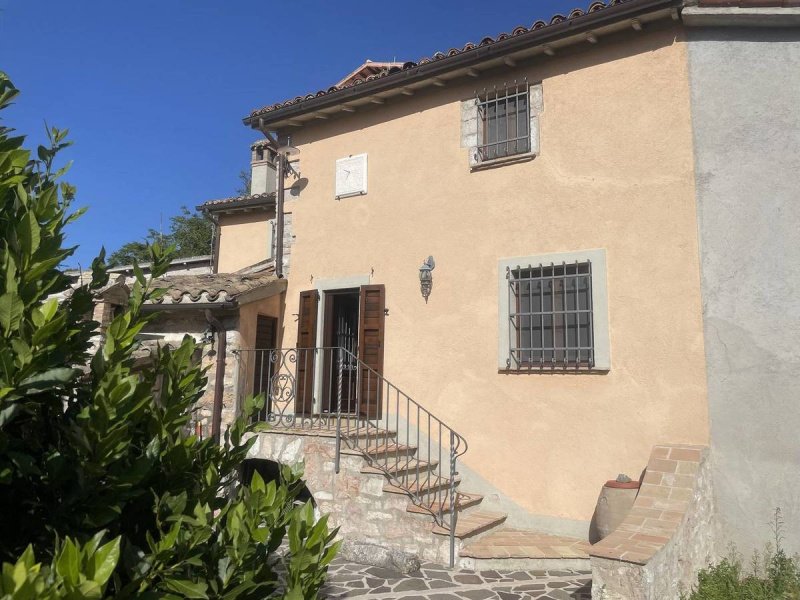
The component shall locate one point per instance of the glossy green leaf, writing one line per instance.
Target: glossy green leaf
(186, 588)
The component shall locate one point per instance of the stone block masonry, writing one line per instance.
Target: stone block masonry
(356, 502)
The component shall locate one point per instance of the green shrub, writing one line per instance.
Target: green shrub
(93, 461)
(773, 576)
(77, 572)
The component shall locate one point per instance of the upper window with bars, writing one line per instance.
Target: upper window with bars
(504, 122)
(553, 313)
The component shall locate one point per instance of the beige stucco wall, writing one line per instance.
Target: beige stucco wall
(248, 318)
(244, 239)
(615, 172)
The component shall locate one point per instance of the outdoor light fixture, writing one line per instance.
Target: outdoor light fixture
(426, 277)
(288, 150)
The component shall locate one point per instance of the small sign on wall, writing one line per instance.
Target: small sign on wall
(351, 176)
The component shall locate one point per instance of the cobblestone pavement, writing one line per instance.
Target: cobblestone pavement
(432, 582)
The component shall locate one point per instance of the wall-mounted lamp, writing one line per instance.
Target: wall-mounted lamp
(426, 277)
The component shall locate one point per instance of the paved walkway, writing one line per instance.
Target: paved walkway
(432, 582)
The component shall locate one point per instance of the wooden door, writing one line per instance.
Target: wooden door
(306, 348)
(266, 329)
(371, 328)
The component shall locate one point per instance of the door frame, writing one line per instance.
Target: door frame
(324, 287)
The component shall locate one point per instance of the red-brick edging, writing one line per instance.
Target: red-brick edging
(659, 508)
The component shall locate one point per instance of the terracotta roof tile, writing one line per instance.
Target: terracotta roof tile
(487, 41)
(234, 201)
(368, 68)
(750, 3)
(214, 288)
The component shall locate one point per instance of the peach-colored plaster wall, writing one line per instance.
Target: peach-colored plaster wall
(248, 318)
(243, 240)
(615, 172)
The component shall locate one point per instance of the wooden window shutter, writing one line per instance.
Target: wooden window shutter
(306, 349)
(371, 328)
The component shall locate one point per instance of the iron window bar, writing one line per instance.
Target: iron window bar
(550, 313)
(504, 118)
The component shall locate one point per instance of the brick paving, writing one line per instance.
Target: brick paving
(513, 543)
(433, 582)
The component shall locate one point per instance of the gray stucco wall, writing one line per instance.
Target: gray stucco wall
(746, 116)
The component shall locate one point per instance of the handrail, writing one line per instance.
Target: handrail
(333, 390)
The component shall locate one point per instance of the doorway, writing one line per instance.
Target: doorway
(352, 318)
(266, 338)
(340, 330)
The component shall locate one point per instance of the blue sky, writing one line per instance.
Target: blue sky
(153, 92)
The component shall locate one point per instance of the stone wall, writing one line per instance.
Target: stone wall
(666, 537)
(173, 326)
(355, 501)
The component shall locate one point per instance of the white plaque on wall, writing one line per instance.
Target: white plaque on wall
(351, 176)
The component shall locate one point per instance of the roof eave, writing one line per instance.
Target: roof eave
(273, 288)
(158, 307)
(249, 204)
(470, 58)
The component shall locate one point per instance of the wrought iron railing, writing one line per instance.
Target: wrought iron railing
(332, 391)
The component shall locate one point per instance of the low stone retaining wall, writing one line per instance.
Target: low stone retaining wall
(666, 537)
(355, 501)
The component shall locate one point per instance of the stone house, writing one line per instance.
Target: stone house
(574, 313)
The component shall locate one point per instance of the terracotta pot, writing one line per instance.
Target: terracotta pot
(616, 499)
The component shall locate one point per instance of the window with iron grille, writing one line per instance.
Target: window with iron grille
(550, 316)
(504, 122)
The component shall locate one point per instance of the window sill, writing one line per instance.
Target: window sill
(505, 160)
(554, 371)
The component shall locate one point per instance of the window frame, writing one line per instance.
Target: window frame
(599, 294)
(472, 129)
(495, 99)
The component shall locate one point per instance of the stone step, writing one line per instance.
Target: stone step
(401, 467)
(368, 434)
(510, 549)
(463, 501)
(429, 485)
(472, 523)
(391, 449)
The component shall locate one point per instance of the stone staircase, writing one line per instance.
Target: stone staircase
(377, 507)
(427, 493)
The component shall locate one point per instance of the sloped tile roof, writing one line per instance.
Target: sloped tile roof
(234, 201)
(486, 41)
(750, 3)
(216, 288)
(368, 69)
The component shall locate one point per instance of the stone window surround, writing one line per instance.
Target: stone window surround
(469, 131)
(602, 349)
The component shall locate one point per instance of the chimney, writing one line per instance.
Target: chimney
(262, 163)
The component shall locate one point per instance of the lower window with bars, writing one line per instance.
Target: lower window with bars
(550, 316)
